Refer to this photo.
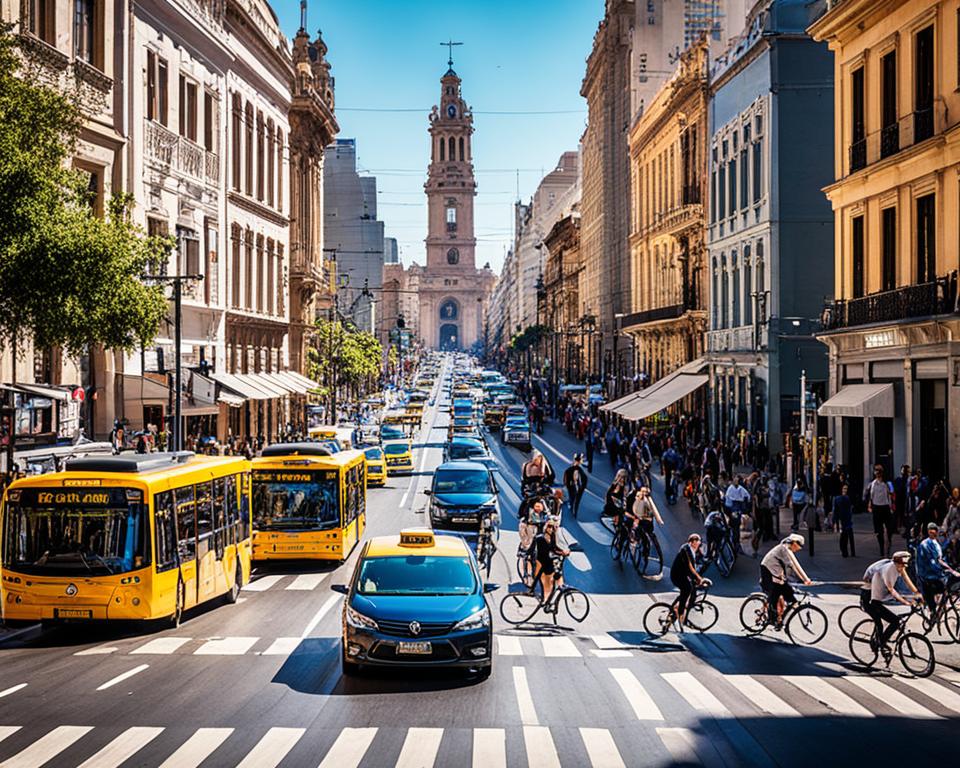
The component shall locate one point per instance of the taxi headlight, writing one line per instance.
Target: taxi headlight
(477, 620)
(358, 621)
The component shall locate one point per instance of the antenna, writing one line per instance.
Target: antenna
(450, 45)
(303, 14)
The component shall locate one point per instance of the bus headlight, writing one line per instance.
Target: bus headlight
(477, 620)
(358, 621)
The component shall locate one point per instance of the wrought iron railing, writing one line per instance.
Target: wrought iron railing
(889, 140)
(937, 297)
(858, 155)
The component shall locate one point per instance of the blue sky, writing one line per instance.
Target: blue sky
(518, 56)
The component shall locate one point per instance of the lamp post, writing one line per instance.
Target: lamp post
(617, 325)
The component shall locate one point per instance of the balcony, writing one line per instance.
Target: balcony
(938, 297)
(922, 124)
(653, 315)
(907, 131)
(179, 154)
(858, 155)
(889, 140)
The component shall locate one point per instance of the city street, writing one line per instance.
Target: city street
(259, 683)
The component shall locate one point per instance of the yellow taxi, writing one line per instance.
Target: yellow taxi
(399, 457)
(376, 466)
(416, 600)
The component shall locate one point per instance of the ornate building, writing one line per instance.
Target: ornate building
(452, 290)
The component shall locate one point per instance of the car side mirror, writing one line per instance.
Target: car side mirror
(489, 587)
(343, 589)
(427, 492)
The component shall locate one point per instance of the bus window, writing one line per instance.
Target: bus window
(243, 481)
(186, 519)
(296, 500)
(204, 517)
(361, 493)
(223, 532)
(166, 531)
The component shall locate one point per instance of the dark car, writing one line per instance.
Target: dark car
(390, 432)
(416, 600)
(516, 431)
(461, 493)
(465, 449)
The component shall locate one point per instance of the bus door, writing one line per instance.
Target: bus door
(222, 538)
(207, 560)
(187, 542)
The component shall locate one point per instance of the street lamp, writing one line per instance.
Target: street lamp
(617, 326)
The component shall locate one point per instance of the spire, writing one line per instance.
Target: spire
(450, 45)
(303, 15)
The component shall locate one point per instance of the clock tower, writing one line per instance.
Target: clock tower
(452, 289)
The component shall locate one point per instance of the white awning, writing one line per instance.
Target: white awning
(199, 409)
(241, 384)
(276, 380)
(860, 401)
(631, 401)
(144, 390)
(51, 393)
(294, 384)
(616, 405)
(234, 401)
(663, 397)
(309, 383)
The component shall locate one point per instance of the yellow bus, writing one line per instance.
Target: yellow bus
(308, 503)
(136, 536)
(342, 436)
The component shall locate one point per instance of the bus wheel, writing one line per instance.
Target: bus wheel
(234, 592)
(174, 620)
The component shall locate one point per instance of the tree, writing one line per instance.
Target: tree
(344, 358)
(67, 277)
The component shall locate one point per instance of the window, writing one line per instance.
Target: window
(209, 262)
(261, 282)
(888, 276)
(270, 265)
(94, 188)
(279, 169)
(461, 148)
(186, 520)
(235, 269)
(451, 219)
(209, 122)
(261, 168)
(858, 127)
(757, 170)
(923, 84)
(452, 149)
(204, 510)
(453, 256)
(188, 109)
(189, 252)
(733, 186)
(735, 269)
(223, 533)
(443, 149)
(248, 148)
(889, 128)
(85, 32)
(713, 194)
(724, 292)
(281, 305)
(271, 162)
(715, 297)
(166, 531)
(248, 271)
(856, 252)
(926, 239)
(236, 128)
(721, 192)
(747, 287)
(156, 88)
(743, 178)
(42, 18)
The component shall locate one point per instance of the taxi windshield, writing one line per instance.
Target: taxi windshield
(416, 575)
(395, 449)
(462, 481)
(374, 453)
(296, 500)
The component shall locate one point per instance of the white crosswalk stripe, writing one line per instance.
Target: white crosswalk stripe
(307, 581)
(643, 705)
(828, 695)
(903, 704)
(947, 697)
(226, 646)
(681, 744)
(528, 713)
(98, 650)
(558, 646)
(696, 694)
(197, 748)
(44, 749)
(607, 642)
(283, 646)
(272, 748)
(122, 748)
(601, 748)
(8, 730)
(263, 583)
(489, 748)
(541, 751)
(508, 645)
(349, 748)
(162, 645)
(765, 699)
(12, 690)
(420, 748)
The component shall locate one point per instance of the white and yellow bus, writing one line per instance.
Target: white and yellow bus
(308, 503)
(125, 537)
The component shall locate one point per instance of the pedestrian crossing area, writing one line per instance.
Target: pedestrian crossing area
(293, 582)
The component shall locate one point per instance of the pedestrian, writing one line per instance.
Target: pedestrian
(843, 516)
(799, 497)
(588, 447)
(877, 496)
(575, 480)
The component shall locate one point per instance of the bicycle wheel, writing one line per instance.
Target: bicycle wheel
(703, 615)
(849, 618)
(916, 654)
(951, 622)
(577, 603)
(658, 619)
(616, 549)
(807, 625)
(724, 559)
(753, 613)
(863, 647)
(519, 607)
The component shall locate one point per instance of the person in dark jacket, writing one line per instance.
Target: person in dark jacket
(843, 516)
(575, 481)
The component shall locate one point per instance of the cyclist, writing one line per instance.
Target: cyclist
(709, 493)
(536, 471)
(715, 526)
(735, 501)
(868, 581)
(932, 568)
(773, 576)
(575, 480)
(547, 548)
(671, 464)
(615, 502)
(531, 514)
(883, 585)
(645, 512)
(685, 576)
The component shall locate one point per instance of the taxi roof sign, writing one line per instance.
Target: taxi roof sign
(417, 537)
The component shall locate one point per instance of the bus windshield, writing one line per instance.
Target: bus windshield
(300, 500)
(75, 532)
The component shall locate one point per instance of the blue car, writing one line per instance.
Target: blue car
(462, 492)
(416, 600)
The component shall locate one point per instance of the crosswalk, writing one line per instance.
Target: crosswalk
(302, 582)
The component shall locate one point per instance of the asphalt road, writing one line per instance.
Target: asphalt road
(259, 684)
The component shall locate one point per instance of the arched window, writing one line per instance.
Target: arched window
(236, 129)
(715, 296)
(452, 149)
(453, 256)
(271, 162)
(748, 289)
(443, 149)
(449, 310)
(248, 149)
(461, 148)
(724, 292)
(735, 270)
(279, 170)
(261, 158)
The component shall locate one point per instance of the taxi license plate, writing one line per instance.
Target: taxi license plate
(74, 613)
(464, 520)
(421, 648)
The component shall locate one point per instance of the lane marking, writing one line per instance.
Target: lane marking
(541, 751)
(318, 616)
(948, 698)
(643, 706)
(44, 749)
(489, 748)
(607, 642)
(98, 650)
(611, 653)
(681, 744)
(528, 714)
(349, 748)
(272, 748)
(601, 748)
(831, 697)
(420, 748)
(507, 645)
(696, 694)
(12, 690)
(197, 748)
(8, 730)
(559, 646)
(162, 645)
(892, 697)
(226, 646)
(761, 696)
(282, 646)
(125, 676)
(263, 583)
(307, 581)
(122, 748)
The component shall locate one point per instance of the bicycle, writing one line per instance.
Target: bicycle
(805, 623)
(723, 554)
(849, 618)
(645, 542)
(701, 616)
(914, 650)
(487, 541)
(520, 607)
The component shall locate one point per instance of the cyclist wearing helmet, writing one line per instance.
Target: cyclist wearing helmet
(773, 576)
(884, 585)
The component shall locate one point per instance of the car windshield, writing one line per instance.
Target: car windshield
(461, 481)
(374, 453)
(416, 575)
(395, 449)
(391, 433)
(286, 500)
(465, 451)
(67, 532)
(518, 423)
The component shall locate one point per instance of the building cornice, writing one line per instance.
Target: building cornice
(844, 16)
(258, 209)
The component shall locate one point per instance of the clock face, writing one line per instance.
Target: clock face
(451, 111)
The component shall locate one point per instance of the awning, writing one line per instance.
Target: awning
(295, 385)
(276, 380)
(145, 390)
(860, 401)
(309, 383)
(41, 391)
(262, 381)
(617, 404)
(620, 406)
(200, 409)
(241, 384)
(663, 397)
(234, 401)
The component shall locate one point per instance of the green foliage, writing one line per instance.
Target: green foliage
(343, 355)
(67, 277)
(529, 337)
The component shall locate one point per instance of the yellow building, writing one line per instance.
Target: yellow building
(894, 364)
(667, 249)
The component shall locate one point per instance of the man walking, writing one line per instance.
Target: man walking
(575, 480)
(878, 505)
(843, 515)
